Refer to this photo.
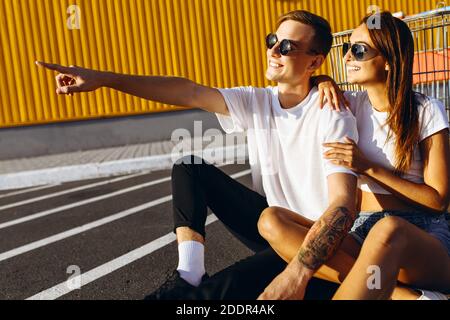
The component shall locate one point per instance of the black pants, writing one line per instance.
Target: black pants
(196, 186)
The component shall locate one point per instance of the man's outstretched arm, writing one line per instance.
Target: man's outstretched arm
(169, 90)
(322, 241)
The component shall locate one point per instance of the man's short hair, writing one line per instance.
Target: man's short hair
(323, 39)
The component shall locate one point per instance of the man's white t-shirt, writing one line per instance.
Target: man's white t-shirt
(373, 135)
(285, 145)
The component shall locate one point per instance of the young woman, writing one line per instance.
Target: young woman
(403, 162)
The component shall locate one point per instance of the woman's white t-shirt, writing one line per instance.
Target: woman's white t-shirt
(373, 136)
(285, 145)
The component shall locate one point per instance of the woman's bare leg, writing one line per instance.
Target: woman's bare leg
(401, 251)
(286, 230)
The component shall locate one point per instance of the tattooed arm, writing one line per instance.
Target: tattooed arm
(325, 236)
(322, 241)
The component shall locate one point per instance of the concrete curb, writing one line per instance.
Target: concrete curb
(32, 178)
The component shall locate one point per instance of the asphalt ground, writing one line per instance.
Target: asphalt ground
(116, 232)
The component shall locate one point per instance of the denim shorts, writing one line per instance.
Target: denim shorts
(436, 226)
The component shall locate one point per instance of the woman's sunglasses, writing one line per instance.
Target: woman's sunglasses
(286, 46)
(361, 52)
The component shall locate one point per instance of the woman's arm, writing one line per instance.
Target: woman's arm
(432, 195)
(329, 92)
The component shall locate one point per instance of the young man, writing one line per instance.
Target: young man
(285, 130)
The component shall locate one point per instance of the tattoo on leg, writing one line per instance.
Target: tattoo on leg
(325, 237)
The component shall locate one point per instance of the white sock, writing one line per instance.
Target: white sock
(191, 265)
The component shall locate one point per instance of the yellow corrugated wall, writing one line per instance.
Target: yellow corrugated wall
(214, 42)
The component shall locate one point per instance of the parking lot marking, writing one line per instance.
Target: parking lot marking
(57, 194)
(69, 233)
(80, 203)
(111, 266)
(15, 193)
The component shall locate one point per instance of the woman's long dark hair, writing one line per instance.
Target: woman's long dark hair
(395, 42)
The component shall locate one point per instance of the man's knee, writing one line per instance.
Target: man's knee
(186, 163)
(189, 160)
(269, 224)
(388, 232)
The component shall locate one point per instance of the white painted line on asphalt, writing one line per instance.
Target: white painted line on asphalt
(111, 266)
(80, 203)
(57, 194)
(28, 190)
(72, 190)
(241, 174)
(91, 200)
(69, 233)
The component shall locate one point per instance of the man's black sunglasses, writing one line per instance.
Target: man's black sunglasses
(360, 51)
(286, 45)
